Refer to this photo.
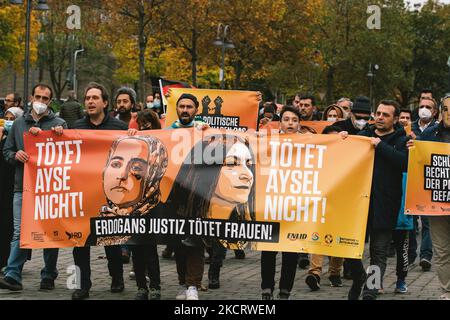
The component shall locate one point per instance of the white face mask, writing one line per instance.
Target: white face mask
(331, 119)
(425, 114)
(360, 124)
(149, 105)
(39, 107)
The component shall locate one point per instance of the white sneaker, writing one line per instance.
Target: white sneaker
(181, 295)
(445, 296)
(192, 293)
(132, 275)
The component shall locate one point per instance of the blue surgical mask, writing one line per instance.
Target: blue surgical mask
(156, 103)
(7, 125)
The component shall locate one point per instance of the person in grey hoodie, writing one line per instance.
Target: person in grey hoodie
(37, 119)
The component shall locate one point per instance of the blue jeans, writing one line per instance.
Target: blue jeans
(18, 257)
(426, 247)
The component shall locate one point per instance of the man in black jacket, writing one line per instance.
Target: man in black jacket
(96, 102)
(440, 225)
(71, 110)
(358, 118)
(39, 118)
(389, 140)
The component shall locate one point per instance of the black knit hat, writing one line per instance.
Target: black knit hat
(361, 105)
(190, 97)
(126, 90)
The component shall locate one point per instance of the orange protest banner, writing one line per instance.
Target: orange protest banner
(277, 192)
(428, 180)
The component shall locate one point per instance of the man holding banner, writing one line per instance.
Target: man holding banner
(39, 118)
(389, 140)
(96, 102)
(440, 225)
(189, 256)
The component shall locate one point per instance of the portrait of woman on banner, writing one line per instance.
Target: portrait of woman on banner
(131, 180)
(216, 181)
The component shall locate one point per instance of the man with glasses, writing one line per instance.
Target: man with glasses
(39, 118)
(11, 100)
(359, 116)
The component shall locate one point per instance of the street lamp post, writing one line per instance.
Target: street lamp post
(75, 81)
(222, 41)
(42, 5)
(371, 75)
(448, 64)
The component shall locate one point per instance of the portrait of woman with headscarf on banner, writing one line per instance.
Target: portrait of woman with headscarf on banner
(131, 180)
(216, 181)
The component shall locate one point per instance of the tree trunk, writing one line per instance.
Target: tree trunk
(142, 47)
(238, 68)
(194, 56)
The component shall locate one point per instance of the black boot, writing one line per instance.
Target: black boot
(214, 274)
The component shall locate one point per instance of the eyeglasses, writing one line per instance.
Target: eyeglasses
(9, 100)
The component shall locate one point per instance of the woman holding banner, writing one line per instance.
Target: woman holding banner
(218, 185)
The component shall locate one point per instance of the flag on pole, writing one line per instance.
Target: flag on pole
(165, 85)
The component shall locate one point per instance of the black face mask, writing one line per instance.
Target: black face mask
(134, 109)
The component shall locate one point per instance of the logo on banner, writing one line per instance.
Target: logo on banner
(315, 236)
(37, 236)
(347, 241)
(328, 239)
(207, 109)
(212, 115)
(74, 235)
(297, 236)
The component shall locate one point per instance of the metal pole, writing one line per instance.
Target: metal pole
(222, 84)
(75, 84)
(448, 64)
(27, 55)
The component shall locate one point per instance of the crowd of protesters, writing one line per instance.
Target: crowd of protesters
(391, 131)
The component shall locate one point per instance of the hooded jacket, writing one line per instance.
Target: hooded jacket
(14, 142)
(391, 160)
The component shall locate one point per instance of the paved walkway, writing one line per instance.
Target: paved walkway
(240, 279)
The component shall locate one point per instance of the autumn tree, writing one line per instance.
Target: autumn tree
(136, 20)
(189, 26)
(12, 36)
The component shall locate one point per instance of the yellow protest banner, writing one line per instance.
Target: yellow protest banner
(318, 188)
(428, 181)
(221, 109)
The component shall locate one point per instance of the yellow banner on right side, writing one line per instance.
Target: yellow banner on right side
(428, 184)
